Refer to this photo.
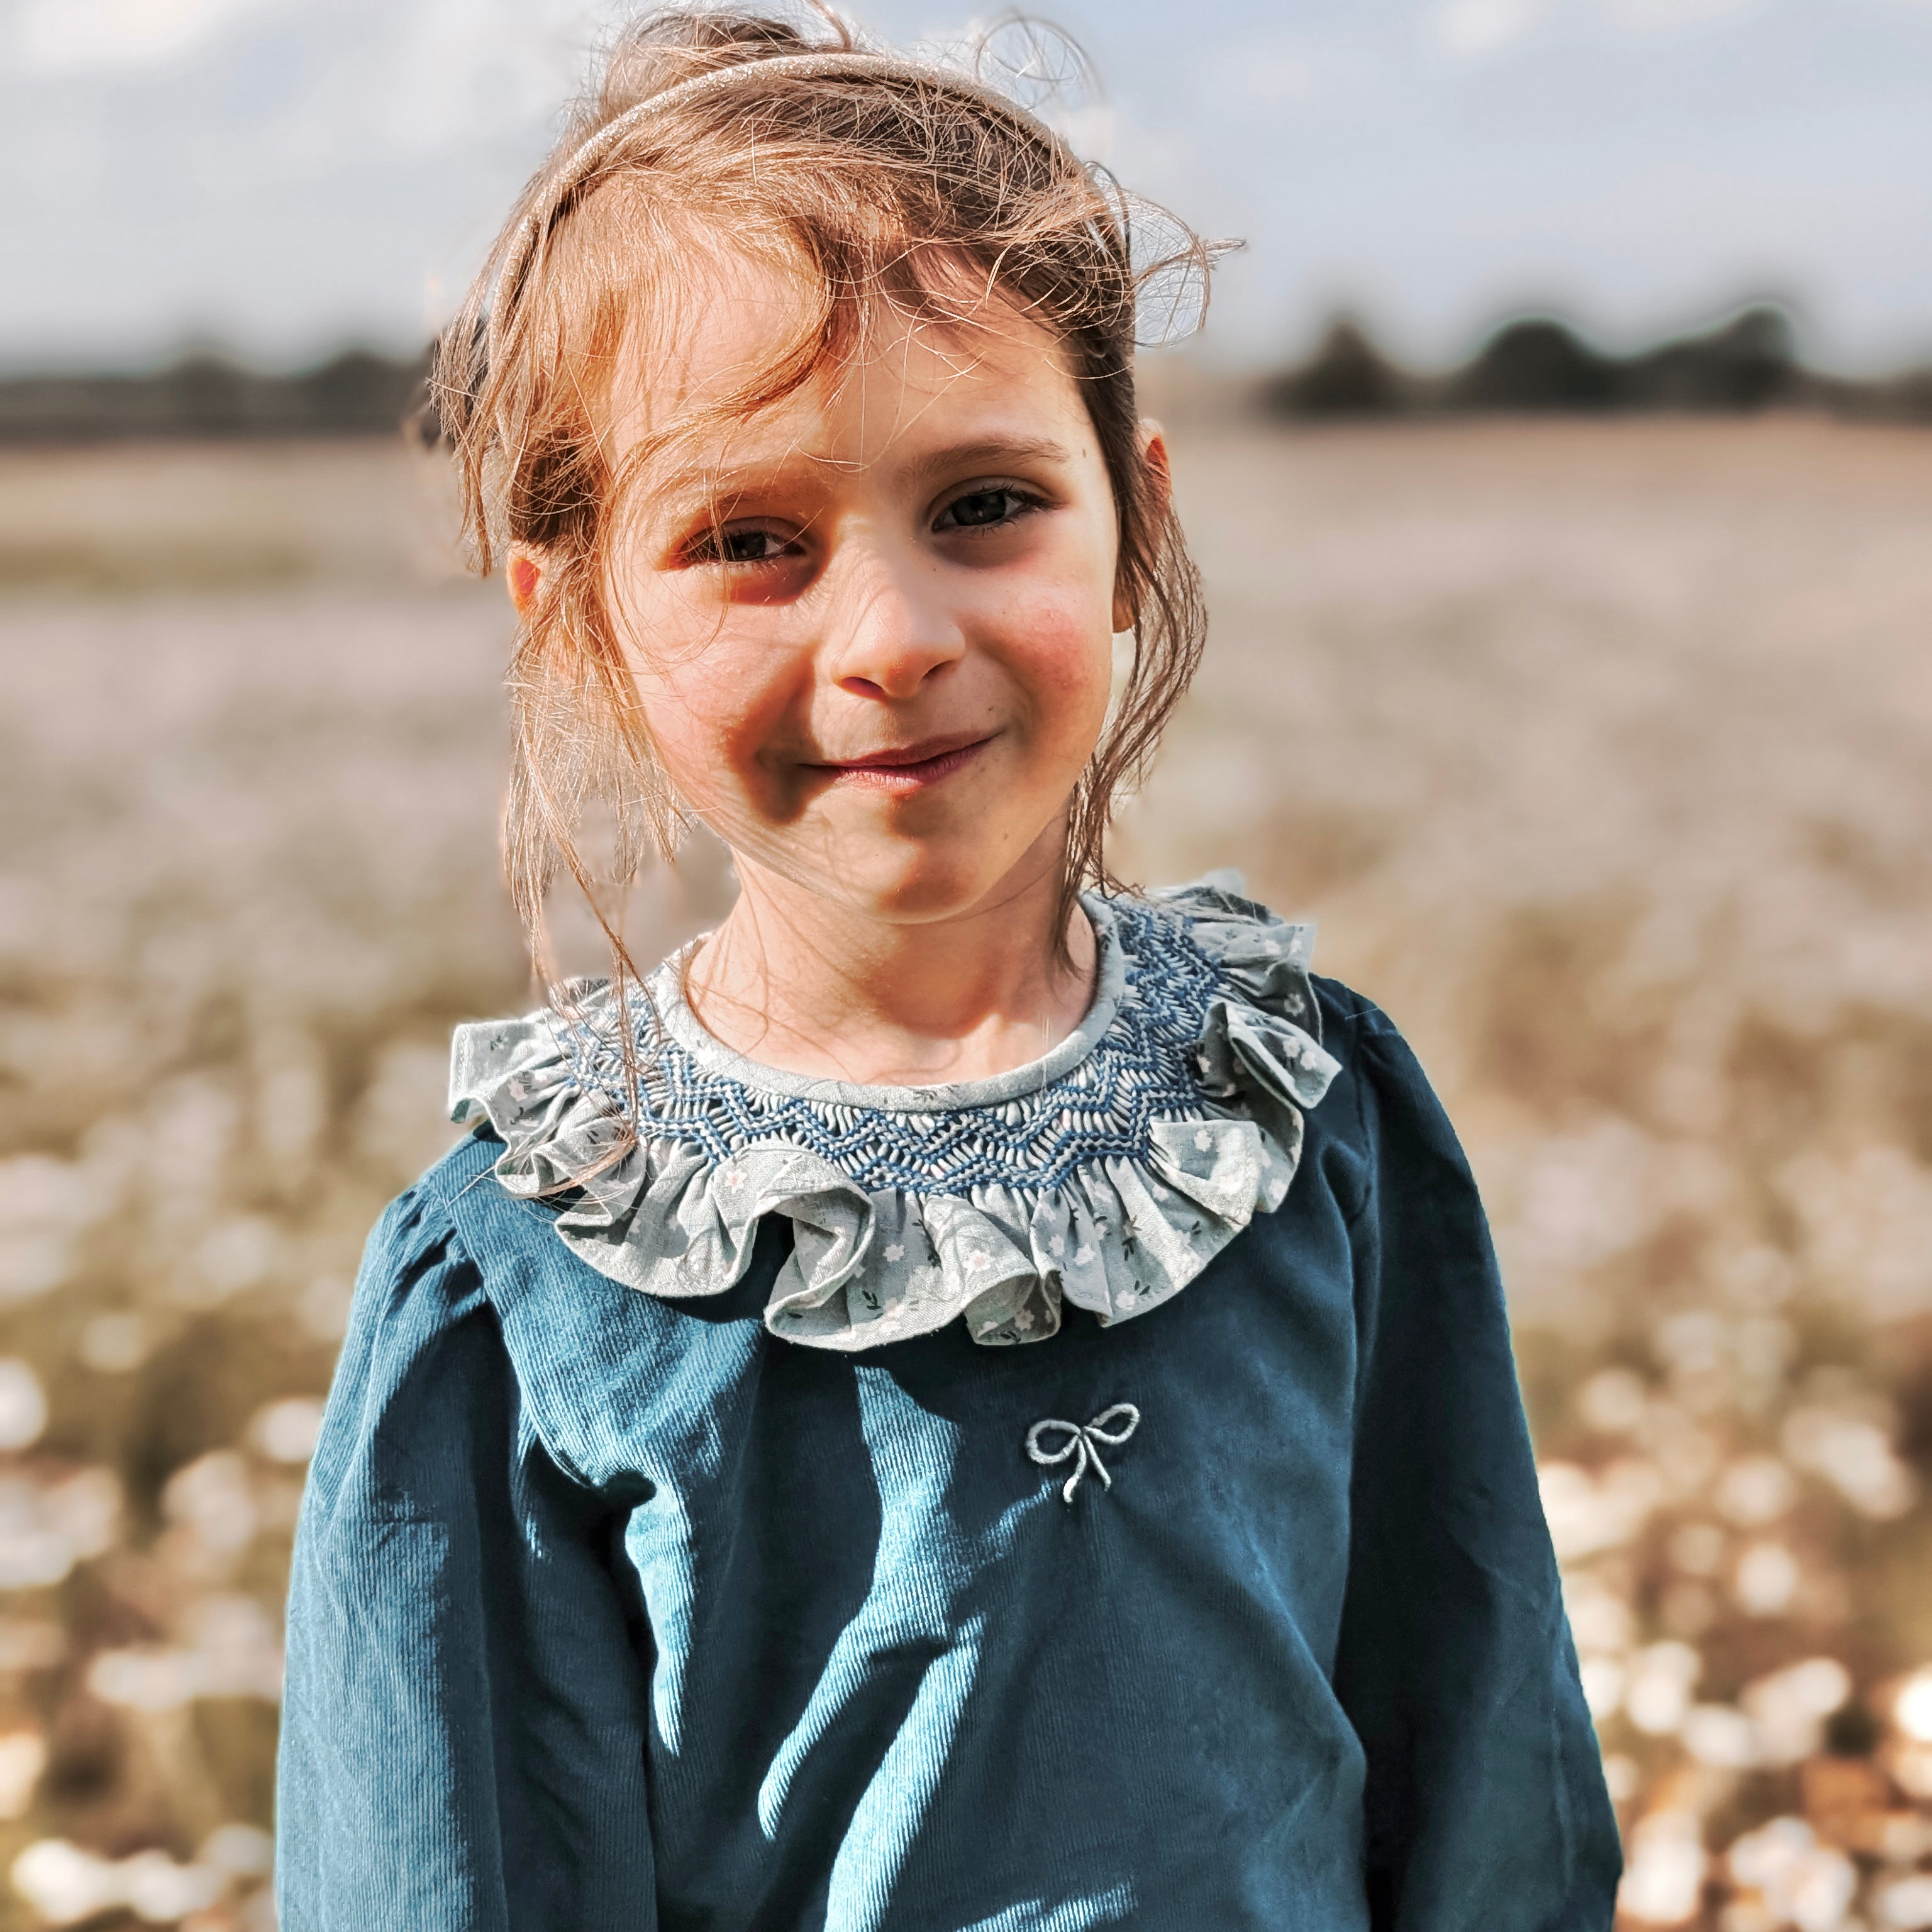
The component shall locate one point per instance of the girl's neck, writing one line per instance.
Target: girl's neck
(795, 980)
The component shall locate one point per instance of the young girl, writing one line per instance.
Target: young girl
(969, 1398)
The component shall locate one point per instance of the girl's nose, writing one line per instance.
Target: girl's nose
(890, 629)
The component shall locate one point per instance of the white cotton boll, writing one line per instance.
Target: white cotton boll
(32, 1550)
(1755, 1490)
(44, 1203)
(323, 1308)
(1600, 1619)
(1587, 1513)
(1904, 1837)
(243, 1851)
(1853, 1453)
(236, 1254)
(114, 1345)
(1688, 1453)
(1760, 1276)
(1911, 1707)
(23, 1756)
(23, 1407)
(1761, 1859)
(1858, 1459)
(1820, 1685)
(285, 1431)
(1790, 1706)
(238, 1649)
(213, 1497)
(63, 1883)
(161, 1891)
(1912, 1767)
(1603, 1681)
(1693, 1342)
(85, 1510)
(34, 1262)
(1612, 1401)
(1724, 1738)
(256, 1912)
(1664, 1874)
(1569, 1506)
(1804, 1884)
(1907, 1907)
(1766, 1580)
(234, 1651)
(1656, 1698)
(149, 1679)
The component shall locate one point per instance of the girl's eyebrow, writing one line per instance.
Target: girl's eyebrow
(989, 450)
(696, 485)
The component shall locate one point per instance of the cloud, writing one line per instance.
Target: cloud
(70, 36)
(1651, 16)
(1470, 29)
(1474, 29)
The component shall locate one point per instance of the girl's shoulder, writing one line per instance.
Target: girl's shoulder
(1106, 1175)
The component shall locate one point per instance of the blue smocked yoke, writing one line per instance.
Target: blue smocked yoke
(1224, 1604)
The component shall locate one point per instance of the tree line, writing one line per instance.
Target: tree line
(1535, 364)
(1542, 364)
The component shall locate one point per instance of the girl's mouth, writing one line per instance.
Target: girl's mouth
(909, 768)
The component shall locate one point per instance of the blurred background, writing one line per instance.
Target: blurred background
(1559, 454)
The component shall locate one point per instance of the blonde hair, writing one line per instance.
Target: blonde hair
(889, 182)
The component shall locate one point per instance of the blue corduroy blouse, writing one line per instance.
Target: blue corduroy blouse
(1223, 1600)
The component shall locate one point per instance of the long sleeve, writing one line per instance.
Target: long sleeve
(463, 1744)
(1485, 1801)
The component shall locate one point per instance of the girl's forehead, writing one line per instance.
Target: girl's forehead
(704, 342)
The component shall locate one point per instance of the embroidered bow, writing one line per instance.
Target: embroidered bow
(1083, 1443)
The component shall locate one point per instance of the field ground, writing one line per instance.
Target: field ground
(1603, 755)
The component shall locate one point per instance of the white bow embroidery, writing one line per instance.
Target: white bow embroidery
(1082, 1443)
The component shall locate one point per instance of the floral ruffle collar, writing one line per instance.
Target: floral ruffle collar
(1107, 1173)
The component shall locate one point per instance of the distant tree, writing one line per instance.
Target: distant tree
(1536, 364)
(1749, 363)
(360, 391)
(205, 395)
(1347, 376)
(1906, 398)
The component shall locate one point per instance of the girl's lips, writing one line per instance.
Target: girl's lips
(908, 767)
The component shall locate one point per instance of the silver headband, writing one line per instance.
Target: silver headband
(830, 65)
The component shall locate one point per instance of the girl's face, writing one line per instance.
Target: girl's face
(871, 625)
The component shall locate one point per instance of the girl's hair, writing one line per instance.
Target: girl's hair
(881, 182)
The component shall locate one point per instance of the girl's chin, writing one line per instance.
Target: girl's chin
(914, 882)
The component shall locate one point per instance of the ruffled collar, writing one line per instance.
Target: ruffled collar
(1108, 1173)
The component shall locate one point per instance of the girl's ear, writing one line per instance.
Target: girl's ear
(1153, 455)
(524, 573)
(1160, 494)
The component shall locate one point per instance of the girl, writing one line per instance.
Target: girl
(969, 1398)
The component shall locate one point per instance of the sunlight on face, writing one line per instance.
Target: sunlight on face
(870, 626)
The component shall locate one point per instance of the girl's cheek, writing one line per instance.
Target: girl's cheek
(1063, 649)
(713, 711)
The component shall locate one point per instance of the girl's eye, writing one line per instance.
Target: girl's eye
(740, 546)
(984, 509)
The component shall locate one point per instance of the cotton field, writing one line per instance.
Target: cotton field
(1602, 753)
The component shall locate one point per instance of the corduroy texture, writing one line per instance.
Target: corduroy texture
(612, 1614)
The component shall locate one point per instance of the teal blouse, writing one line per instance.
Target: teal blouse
(1097, 1498)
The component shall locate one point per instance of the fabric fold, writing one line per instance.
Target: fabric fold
(1108, 1174)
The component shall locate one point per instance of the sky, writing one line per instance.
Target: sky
(282, 178)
